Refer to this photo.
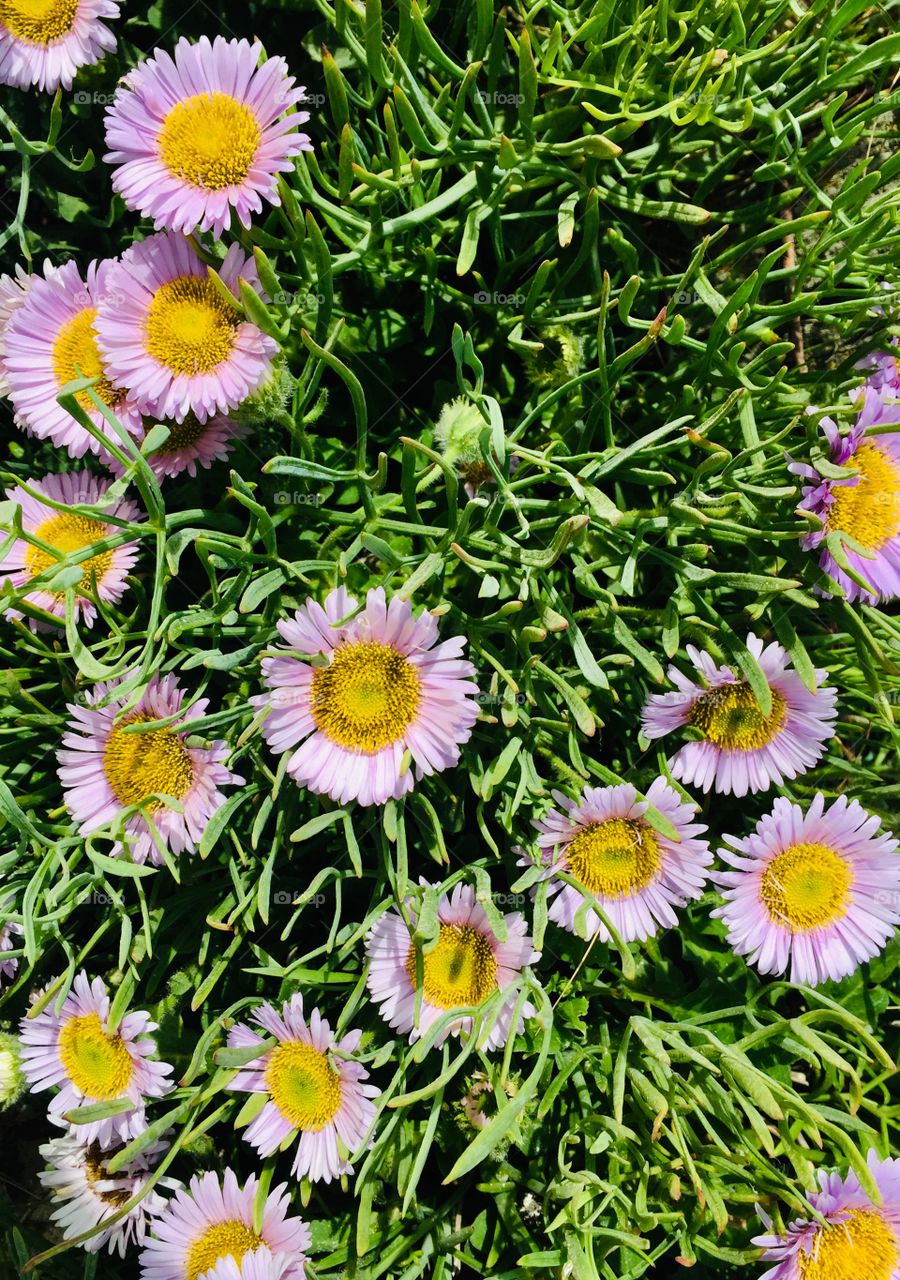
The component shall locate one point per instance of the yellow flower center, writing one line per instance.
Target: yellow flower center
(870, 509)
(210, 140)
(860, 1247)
(98, 1064)
(68, 533)
(95, 1171)
(221, 1240)
(38, 21)
(138, 765)
(182, 435)
(190, 326)
(614, 859)
(729, 716)
(806, 887)
(366, 697)
(76, 355)
(460, 972)
(304, 1085)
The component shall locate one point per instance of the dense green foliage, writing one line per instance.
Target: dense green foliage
(645, 238)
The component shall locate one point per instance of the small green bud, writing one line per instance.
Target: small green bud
(560, 359)
(270, 400)
(12, 1078)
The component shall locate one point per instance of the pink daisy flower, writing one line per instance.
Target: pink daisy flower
(107, 772)
(68, 532)
(13, 291)
(865, 506)
(817, 891)
(211, 1222)
(741, 749)
(382, 687)
(45, 44)
(191, 443)
(51, 340)
(636, 874)
(859, 1240)
(314, 1088)
(259, 1265)
(88, 1195)
(205, 134)
(74, 1050)
(169, 335)
(10, 930)
(468, 964)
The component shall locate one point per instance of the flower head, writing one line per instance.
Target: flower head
(75, 1050)
(865, 505)
(108, 765)
(204, 134)
(211, 1221)
(89, 1195)
(632, 871)
(742, 748)
(468, 964)
(170, 335)
(191, 444)
(818, 892)
(13, 291)
(311, 1091)
(45, 44)
(859, 1240)
(68, 532)
(381, 686)
(50, 341)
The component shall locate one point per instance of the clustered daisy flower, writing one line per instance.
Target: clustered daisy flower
(50, 341)
(855, 1239)
(204, 134)
(191, 444)
(314, 1088)
(816, 892)
(741, 748)
(467, 965)
(111, 768)
(170, 335)
(88, 1195)
(864, 505)
(44, 44)
(631, 870)
(74, 1050)
(208, 1230)
(378, 696)
(67, 531)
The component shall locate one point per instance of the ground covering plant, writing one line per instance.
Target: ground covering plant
(563, 329)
